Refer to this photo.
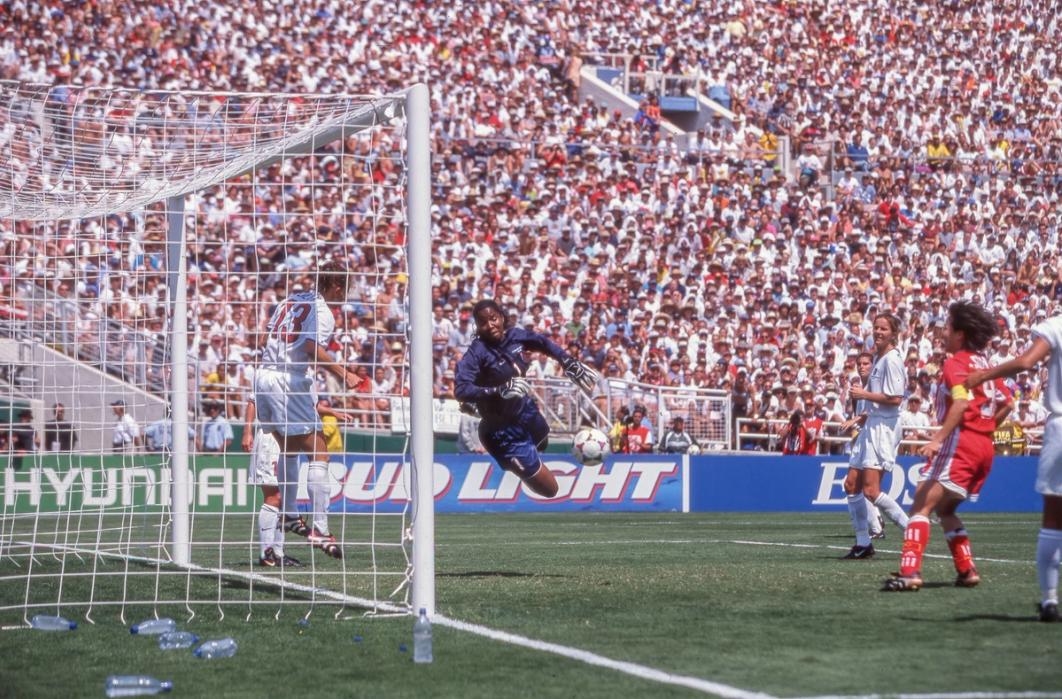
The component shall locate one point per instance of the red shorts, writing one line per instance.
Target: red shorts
(963, 463)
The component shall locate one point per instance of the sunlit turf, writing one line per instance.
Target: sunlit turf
(758, 602)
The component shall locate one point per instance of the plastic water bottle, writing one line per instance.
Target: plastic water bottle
(43, 622)
(223, 648)
(153, 627)
(422, 638)
(134, 686)
(174, 640)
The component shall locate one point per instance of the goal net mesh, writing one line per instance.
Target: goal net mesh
(268, 187)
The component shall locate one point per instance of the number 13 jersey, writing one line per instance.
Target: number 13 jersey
(298, 322)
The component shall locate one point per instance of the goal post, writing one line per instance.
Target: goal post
(421, 430)
(170, 191)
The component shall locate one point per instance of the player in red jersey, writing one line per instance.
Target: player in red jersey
(959, 453)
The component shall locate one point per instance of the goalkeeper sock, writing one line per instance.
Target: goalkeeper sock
(317, 480)
(857, 508)
(961, 553)
(1048, 557)
(290, 490)
(915, 540)
(267, 526)
(892, 510)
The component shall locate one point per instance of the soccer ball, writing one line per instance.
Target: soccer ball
(590, 446)
(694, 450)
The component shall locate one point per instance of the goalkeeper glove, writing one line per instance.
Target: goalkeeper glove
(583, 376)
(516, 387)
(468, 408)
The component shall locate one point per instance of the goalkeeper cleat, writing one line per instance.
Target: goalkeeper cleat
(325, 542)
(858, 553)
(296, 525)
(903, 583)
(1049, 612)
(968, 579)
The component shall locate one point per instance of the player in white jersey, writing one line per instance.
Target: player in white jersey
(878, 441)
(285, 396)
(853, 492)
(1047, 344)
(279, 486)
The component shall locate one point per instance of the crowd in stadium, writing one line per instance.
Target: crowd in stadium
(927, 139)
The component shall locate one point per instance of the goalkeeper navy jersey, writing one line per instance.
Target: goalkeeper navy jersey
(485, 367)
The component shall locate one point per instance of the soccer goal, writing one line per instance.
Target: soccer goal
(146, 237)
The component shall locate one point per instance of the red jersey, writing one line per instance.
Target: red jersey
(984, 400)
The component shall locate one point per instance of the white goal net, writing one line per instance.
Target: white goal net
(146, 238)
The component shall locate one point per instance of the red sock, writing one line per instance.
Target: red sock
(959, 543)
(915, 539)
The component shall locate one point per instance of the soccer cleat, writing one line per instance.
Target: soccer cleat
(879, 531)
(903, 583)
(325, 542)
(269, 559)
(968, 579)
(1049, 612)
(859, 553)
(296, 525)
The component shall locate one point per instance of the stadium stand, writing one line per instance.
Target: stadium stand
(926, 136)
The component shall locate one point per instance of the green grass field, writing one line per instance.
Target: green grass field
(757, 602)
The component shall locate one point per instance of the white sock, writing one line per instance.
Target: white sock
(1048, 556)
(278, 537)
(267, 527)
(317, 480)
(290, 486)
(873, 518)
(857, 506)
(892, 510)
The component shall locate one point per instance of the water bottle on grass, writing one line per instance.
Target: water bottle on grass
(174, 640)
(223, 648)
(153, 627)
(422, 638)
(134, 686)
(44, 622)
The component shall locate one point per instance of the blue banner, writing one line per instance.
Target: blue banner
(776, 483)
(472, 483)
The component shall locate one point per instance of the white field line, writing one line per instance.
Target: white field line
(740, 542)
(634, 669)
(945, 695)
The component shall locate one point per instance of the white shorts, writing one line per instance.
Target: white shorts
(286, 404)
(264, 467)
(1049, 471)
(875, 447)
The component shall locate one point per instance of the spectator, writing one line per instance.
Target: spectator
(677, 440)
(158, 435)
(24, 439)
(914, 424)
(637, 438)
(216, 433)
(794, 435)
(60, 435)
(126, 432)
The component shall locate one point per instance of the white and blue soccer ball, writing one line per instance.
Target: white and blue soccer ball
(590, 446)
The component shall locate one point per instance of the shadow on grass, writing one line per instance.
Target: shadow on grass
(497, 574)
(998, 617)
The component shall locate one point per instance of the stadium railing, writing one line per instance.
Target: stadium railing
(750, 434)
(705, 411)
